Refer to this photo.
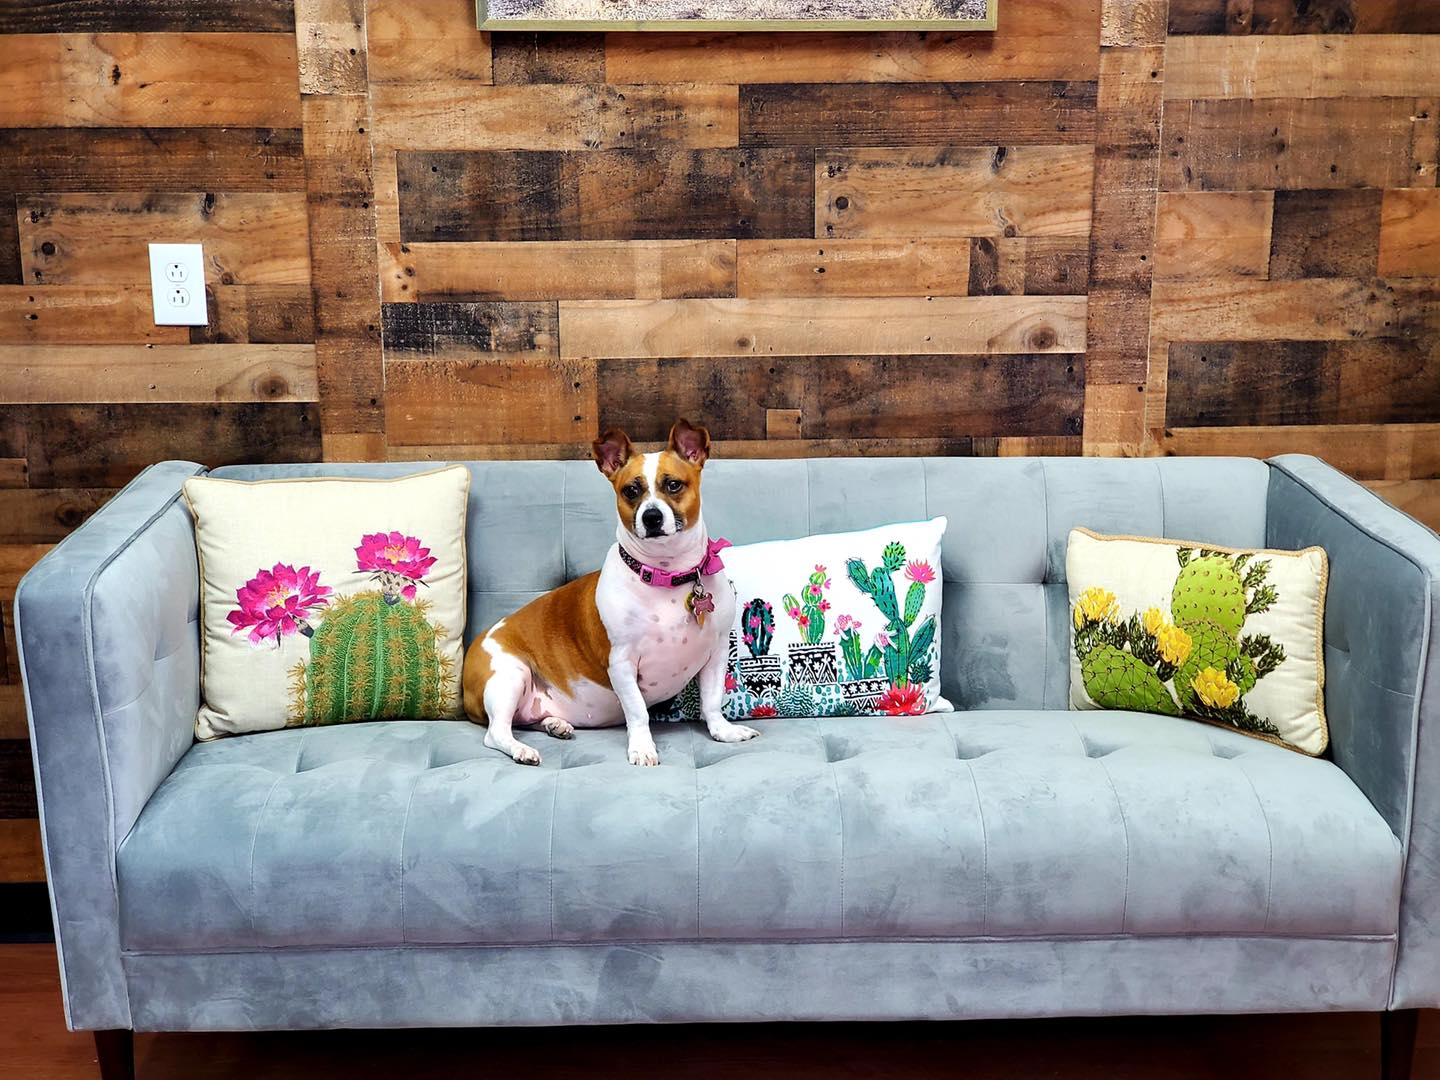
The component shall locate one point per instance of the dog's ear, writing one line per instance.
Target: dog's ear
(611, 451)
(690, 442)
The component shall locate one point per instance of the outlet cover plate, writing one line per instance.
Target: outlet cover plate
(177, 284)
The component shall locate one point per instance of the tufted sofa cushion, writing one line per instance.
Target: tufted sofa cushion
(980, 824)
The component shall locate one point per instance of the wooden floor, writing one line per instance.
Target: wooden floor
(34, 1045)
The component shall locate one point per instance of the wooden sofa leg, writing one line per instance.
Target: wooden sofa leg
(1397, 1043)
(116, 1051)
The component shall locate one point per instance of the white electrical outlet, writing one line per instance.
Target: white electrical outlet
(177, 284)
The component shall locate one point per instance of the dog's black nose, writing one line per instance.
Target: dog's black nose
(652, 519)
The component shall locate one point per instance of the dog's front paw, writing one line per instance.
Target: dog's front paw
(728, 732)
(525, 755)
(644, 754)
(557, 728)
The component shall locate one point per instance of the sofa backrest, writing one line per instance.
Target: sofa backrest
(536, 524)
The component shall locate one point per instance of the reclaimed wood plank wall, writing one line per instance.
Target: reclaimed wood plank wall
(1110, 227)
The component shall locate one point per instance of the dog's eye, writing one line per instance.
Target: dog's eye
(631, 490)
(673, 486)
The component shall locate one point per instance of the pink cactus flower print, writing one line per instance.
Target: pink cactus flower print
(396, 561)
(882, 639)
(763, 712)
(846, 622)
(921, 571)
(902, 700)
(279, 602)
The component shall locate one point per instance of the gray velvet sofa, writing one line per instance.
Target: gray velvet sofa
(1011, 859)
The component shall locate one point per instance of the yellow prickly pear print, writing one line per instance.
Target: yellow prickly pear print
(1215, 690)
(1095, 605)
(1174, 643)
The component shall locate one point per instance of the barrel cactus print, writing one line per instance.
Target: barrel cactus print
(372, 653)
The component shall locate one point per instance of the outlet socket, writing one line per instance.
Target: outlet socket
(177, 284)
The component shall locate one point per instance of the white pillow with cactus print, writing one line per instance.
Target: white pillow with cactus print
(840, 624)
(329, 600)
(1224, 635)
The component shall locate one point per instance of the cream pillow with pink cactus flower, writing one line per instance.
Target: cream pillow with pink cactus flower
(329, 600)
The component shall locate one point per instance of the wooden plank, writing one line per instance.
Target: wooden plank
(910, 114)
(21, 855)
(81, 314)
(1304, 17)
(10, 273)
(1320, 309)
(1035, 39)
(782, 423)
(13, 722)
(1122, 235)
(15, 561)
(456, 369)
(149, 16)
(847, 397)
(505, 398)
(575, 270)
(249, 239)
(349, 357)
(772, 268)
(548, 58)
(945, 192)
(673, 194)
(1325, 234)
(457, 115)
(460, 330)
(959, 446)
(1418, 498)
(330, 35)
(17, 780)
(1307, 66)
(1365, 451)
(433, 40)
(1386, 380)
(1212, 235)
(1410, 233)
(149, 80)
(1032, 266)
(151, 159)
(105, 446)
(1288, 143)
(46, 515)
(258, 314)
(14, 472)
(822, 326)
(1132, 22)
(45, 374)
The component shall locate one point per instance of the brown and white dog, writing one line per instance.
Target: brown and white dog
(600, 650)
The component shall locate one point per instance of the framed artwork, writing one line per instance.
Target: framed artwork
(499, 15)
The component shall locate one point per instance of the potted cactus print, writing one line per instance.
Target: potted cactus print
(813, 662)
(864, 681)
(906, 650)
(759, 672)
(1201, 664)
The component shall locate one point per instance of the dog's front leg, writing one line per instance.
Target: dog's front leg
(712, 700)
(625, 681)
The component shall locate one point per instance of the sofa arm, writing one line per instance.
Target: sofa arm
(106, 626)
(1382, 678)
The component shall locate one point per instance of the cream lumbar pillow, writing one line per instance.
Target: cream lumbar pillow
(1225, 635)
(326, 600)
(839, 624)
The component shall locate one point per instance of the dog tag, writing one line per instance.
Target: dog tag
(699, 603)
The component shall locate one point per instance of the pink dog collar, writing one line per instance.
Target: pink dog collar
(665, 579)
